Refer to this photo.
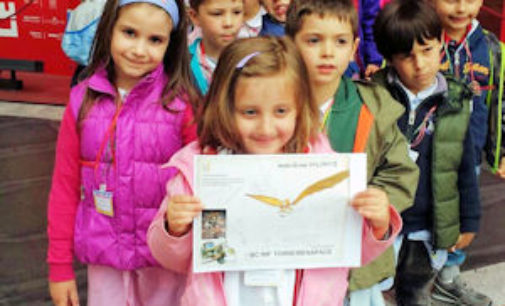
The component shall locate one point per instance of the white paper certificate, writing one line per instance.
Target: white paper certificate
(277, 211)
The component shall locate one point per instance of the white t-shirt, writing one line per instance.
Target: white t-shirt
(266, 288)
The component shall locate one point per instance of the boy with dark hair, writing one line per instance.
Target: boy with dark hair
(357, 116)
(446, 210)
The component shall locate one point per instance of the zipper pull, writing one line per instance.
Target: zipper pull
(412, 117)
(456, 65)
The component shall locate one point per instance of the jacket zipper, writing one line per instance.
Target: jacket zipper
(410, 124)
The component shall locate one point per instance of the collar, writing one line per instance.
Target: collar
(257, 20)
(440, 87)
(100, 82)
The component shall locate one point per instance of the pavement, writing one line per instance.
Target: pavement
(489, 280)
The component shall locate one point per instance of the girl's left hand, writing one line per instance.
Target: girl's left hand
(373, 205)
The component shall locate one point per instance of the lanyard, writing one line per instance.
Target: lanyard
(476, 87)
(323, 126)
(421, 129)
(207, 70)
(107, 139)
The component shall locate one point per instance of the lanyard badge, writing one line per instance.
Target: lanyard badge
(103, 201)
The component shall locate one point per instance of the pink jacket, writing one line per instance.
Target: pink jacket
(313, 287)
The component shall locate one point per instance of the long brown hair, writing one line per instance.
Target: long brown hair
(217, 127)
(175, 61)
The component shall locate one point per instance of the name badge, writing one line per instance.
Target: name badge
(103, 201)
(264, 278)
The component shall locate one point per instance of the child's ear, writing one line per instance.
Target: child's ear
(193, 16)
(355, 47)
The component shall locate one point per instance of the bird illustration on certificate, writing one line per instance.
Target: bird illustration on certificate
(284, 211)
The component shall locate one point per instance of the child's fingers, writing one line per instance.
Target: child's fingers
(185, 207)
(183, 198)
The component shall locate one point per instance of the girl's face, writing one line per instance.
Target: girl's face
(140, 39)
(265, 113)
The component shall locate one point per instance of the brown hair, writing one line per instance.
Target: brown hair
(175, 60)
(401, 23)
(344, 10)
(217, 127)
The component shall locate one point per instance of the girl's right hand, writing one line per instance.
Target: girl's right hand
(64, 293)
(180, 213)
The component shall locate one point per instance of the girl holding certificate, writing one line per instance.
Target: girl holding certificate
(259, 102)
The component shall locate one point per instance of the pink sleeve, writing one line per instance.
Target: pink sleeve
(63, 201)
(173, 253)
(371, 247)
(188, 126)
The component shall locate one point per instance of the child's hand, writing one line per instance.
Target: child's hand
(180, 213)
(371, 69)
(464, 240)
(501, 170)
(373, 204)
(64, 293)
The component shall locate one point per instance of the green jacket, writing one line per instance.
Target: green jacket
(388, 168)
(448, 173)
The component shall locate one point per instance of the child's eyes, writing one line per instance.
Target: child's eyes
(341, 41)
(156, 40)
(312, 40)
(249, 112)
(216, 13)
(129, 32)
(282, 111)
(428, 49)
(237, 12)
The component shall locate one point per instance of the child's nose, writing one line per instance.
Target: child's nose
(228, 20)
(140, 48)
(461, 5)
(328, 49)
(266, 126)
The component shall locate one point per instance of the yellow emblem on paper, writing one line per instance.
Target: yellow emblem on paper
(286, 205)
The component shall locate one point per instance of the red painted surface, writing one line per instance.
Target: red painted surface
(492, 17)
(32, 30)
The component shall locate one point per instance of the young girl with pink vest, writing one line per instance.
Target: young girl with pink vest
(259, 102)
(126, 119)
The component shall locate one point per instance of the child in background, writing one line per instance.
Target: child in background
(220, 22)
(446, 211)
(472, 55)
(123, 121)
(274, 19)
(357, 116)
(253, 19)
(368, 58)
(242, 114)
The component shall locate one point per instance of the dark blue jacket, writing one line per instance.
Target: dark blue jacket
(469, 61)
(272, 27)
(367, 50)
